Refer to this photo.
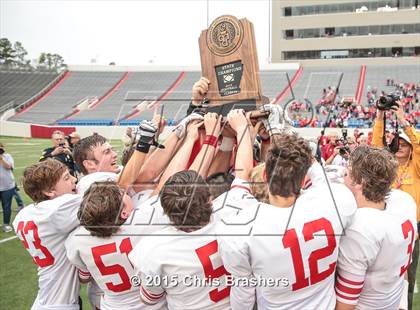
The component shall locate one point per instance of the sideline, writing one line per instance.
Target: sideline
(7, 239)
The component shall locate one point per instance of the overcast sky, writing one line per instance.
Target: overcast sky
(126, 32)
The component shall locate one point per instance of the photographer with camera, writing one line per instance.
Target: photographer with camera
(406, 148)
(342, 151)
(7, 186)
(59, 151)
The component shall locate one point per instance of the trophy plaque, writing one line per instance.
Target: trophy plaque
(229, 60)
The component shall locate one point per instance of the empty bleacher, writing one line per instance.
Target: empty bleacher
(61, 101)
(138, 87)
(117, 104)
(314, 79)
(18, 86)
(376, 76)
(274, 82)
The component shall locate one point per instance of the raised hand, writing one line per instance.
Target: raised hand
(199, 90)
(237, 120)
(275, 123)
(212, 124)
(181, 128)
(192, 129)
(147, 131)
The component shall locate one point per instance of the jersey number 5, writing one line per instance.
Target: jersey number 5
(291, 241)
(23, 229)
(203, 254)
(99, 251)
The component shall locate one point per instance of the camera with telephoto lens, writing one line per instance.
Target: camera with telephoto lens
(344, 148)
(387, 102)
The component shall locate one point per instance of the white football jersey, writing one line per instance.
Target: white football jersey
(106, 261)
(150, 207)
(94, 291)
(184, 267)
(376, 252)
(288, 257)
(232, 202)
(43, 228)
(86, 181)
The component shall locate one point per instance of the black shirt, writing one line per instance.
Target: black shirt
(63, 157)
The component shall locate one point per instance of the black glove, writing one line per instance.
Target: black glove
(147, 131)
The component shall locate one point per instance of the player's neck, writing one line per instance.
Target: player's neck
(282, 202)
(362, 202)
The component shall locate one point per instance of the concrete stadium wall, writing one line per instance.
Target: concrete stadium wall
(154, 68)
(16, 129)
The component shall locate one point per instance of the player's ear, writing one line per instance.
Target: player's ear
(50, 194)
(126, 210)
(90, 165)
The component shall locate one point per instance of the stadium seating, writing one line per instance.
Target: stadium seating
(137, 87)
(376, 76)
(315, 79)
(62, 100)
(19, 86)
(274, 82)
(119, 93)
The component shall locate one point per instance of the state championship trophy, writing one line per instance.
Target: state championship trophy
(229, 60)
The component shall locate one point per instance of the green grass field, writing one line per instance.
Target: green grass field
(18, 274)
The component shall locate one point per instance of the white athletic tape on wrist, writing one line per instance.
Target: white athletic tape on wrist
(227, 144)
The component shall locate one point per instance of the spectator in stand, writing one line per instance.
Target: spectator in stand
(59, 151)
(408, 176)
(7, 186)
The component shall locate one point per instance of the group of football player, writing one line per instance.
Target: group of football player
(200, 222)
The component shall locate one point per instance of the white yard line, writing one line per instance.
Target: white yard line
(7, 239)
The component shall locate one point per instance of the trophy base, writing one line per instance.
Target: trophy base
(224, 109)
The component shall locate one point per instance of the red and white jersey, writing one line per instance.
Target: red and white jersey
(43, 228)
(288, 258)
(86, 181)
(149, 212)
(234, 201)
(106, 261)
(183, 267)
(376, 252)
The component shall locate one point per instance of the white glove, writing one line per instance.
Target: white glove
(147, 131)
(276, 121)
(181, 129)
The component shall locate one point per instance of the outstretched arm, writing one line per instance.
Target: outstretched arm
(244, 158)
(412, 135)
(180, 160)
(203, 160)
(131, 170)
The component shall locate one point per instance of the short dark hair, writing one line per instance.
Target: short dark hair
(219, 183)
(126, 154)
(100, 209)
(83, 150)
(185, 199)
(375, 169)
(42, 177)
(288, 160)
